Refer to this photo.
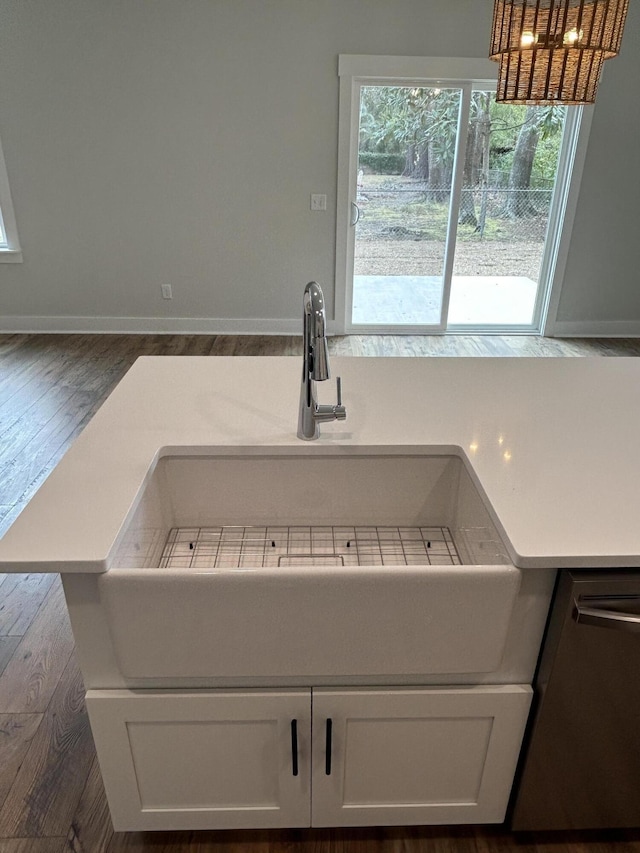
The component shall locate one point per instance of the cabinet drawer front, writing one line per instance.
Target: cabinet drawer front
(208, 760)
(416, 756)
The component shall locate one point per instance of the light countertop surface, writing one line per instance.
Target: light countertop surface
(554, 443)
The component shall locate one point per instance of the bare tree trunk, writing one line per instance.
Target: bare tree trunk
(476, 163)
(484, 136)
(422, 166)
(518, 204)
(467, 215)
(409, 161)
(440, 176)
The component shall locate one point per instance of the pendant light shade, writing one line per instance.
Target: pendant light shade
(551, 51)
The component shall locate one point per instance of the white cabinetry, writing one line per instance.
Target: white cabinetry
(415, 756)
(203, 760)
(221, 759)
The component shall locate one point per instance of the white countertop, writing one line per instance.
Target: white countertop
(554, 443)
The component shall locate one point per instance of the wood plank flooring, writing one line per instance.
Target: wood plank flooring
(51, 794)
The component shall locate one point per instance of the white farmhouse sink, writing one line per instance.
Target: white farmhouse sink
(302, 615)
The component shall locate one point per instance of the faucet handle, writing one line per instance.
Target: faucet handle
(331, 413)
(340, 413)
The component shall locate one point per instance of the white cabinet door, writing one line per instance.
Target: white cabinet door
(205, 759)
(415, 756)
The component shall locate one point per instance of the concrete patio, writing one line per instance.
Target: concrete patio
(411, 300)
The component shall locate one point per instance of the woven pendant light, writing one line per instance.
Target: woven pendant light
(551, 51)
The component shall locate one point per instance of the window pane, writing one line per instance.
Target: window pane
(406, 152)
(509, 177)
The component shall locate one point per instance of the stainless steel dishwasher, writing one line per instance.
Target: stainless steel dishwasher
(581, 765)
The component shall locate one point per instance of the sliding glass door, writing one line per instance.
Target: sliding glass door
(405, 207)
(453, 207)
(407, 193)
(510, 175)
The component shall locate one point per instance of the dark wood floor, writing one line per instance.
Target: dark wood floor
(51, 795)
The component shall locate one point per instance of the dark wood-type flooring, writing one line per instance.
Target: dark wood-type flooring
(51, 795)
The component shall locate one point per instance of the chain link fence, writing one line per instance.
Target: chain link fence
(403, 226)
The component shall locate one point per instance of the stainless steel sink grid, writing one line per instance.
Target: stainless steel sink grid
(235, 547)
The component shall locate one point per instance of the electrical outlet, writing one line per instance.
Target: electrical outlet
(166, 291)
(318, 201)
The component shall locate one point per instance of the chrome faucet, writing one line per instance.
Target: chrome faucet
(315, 367)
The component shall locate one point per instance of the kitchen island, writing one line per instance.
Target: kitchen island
(552, 441)
(547, 442)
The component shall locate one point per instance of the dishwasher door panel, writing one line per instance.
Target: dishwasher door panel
(581, 767)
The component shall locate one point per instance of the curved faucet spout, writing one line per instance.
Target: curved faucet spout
(313, 305)
(315, 365)
(315, 340)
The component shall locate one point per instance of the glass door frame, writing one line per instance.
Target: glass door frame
(465, 89)
(356, 72)
(467, 75)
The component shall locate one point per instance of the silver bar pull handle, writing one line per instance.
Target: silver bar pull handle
(355, 213)
(602, 618)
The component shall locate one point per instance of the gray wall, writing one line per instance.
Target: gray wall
(153, 141)
(601, 289)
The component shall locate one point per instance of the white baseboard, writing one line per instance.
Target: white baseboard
(596, 329)
(238, 326)
(152, 325)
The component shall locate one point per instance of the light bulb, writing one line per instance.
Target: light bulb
(571, 37)
(528, 38)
